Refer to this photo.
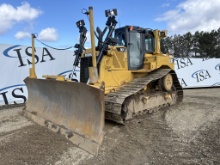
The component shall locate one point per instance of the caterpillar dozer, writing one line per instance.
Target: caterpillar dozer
(124, 75)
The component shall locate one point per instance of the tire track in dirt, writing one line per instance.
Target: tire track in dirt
(188, 133)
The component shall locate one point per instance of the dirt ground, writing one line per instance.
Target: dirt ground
(188, 133)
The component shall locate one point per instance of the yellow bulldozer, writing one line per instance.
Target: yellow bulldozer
(124, 75)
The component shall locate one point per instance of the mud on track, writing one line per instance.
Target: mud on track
(188, 133)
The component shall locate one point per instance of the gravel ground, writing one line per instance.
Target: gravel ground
(188, 133)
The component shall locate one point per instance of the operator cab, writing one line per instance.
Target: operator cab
(138, 41)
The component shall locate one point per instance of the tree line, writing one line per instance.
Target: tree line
(200, 44)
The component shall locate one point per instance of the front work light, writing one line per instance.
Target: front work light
(109, 13)
(80, 23)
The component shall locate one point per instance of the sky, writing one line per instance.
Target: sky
(54, 22)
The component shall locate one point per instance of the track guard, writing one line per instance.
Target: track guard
(75, 110)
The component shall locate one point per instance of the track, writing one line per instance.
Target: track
(115, 101)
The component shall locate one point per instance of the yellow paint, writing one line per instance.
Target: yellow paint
(32, 70)
(113, 69)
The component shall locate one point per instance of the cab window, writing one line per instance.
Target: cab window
(149, 43)
(121, 38)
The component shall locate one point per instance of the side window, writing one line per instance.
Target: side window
(121, 38)
(149, 43)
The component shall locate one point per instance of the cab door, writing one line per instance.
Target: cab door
(135, 50)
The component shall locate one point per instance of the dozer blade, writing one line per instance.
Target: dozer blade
(73, 109)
